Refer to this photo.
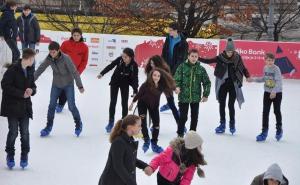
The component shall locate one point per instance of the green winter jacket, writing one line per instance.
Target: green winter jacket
(189, 78)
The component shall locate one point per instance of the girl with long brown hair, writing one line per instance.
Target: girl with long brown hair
(148, 97)
(122, 160)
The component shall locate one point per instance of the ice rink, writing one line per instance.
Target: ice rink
(63, 159)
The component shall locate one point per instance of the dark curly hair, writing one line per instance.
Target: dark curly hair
(159, 62)
(165, 84)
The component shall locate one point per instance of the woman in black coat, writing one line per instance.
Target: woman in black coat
(125, 75)
(122, 160)
(229, 72)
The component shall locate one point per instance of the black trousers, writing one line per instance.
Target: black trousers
(154, 114)
(12, 44)
(173, 108)
(227, 88)
(13, 125)
(114, 90)
(62, 99)
(184, 108)
(266, 110)
(162, 181)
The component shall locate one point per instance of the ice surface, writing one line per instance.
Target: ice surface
(63, 159)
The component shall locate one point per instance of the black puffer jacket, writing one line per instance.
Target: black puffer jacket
(29, 28)
(123, 74)
(122, 161)
(14, 84)
(8, 24)
(180, 53)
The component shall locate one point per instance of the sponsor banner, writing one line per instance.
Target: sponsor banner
(287, 56)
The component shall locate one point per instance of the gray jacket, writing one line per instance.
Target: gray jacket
(64, 71)
(272, 79)
(273, 172)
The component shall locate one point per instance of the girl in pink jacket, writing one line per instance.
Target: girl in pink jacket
(178, 163)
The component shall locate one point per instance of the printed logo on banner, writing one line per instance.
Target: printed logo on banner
(93, 46)
(95, 40)
(111, 54)
(95, 59)
(64, 38)
(112, 40)
(95, 53)
(124, 41)
(111, 47)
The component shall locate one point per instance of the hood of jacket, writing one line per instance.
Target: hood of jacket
(274, 172)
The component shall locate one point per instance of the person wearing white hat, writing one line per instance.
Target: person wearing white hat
(178, 163)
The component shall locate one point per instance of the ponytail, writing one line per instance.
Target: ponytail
(121, 126)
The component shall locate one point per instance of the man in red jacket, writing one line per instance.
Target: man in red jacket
(79, 53)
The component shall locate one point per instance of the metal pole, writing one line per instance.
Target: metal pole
(270, 24)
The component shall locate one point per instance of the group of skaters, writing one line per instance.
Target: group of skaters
(177, 70)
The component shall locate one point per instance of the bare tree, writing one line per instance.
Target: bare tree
(152, 16)
(253, 18)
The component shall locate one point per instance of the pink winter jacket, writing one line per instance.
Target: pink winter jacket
(169, 169)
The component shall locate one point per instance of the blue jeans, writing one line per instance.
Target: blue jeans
(70, 94)
(28, 45)
(13, 125)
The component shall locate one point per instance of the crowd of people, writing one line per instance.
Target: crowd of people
(178, 70)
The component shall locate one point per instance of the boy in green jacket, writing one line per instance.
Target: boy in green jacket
(189, 77)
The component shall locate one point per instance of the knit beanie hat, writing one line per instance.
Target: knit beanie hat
(230, 45)
(192, 140)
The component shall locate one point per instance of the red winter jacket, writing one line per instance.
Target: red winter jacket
(78, 51)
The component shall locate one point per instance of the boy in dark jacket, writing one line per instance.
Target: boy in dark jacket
(64, 74)
(189, 77)
(29, 28)
(175, 51)
(18, 86)
(9, 29)
(125, 75)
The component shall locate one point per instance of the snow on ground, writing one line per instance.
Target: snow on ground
(63, 159)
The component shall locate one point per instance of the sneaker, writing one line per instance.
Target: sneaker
(24, 161)
(10, 161)
(221, 128)
(46, 131)
(156, 148)
(262, 137)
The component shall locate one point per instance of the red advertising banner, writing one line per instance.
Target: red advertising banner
(287, 56)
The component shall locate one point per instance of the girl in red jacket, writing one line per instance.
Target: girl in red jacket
(178, 163)
(79, 53)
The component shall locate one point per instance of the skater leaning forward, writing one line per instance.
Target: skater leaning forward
(148, 98)
(64, 73)
(178, 163)
(189, 77)
(125, 75)
(18, 86)
(273, 94)
(229, 74)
